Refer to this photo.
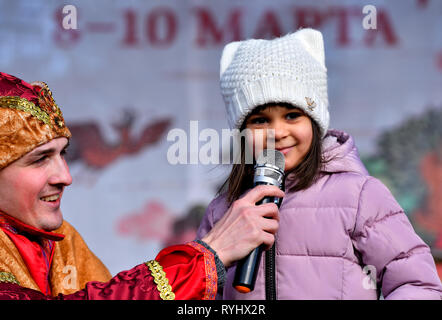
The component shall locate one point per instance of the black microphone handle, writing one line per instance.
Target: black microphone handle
(247, 268)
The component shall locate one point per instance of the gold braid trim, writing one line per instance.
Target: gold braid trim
(8, 277)
(159, 277)
(22, 104)
(47, 96)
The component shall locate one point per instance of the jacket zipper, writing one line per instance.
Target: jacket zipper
(270, 277)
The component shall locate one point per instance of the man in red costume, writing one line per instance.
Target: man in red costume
(38, 248)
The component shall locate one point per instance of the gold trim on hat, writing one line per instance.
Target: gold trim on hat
(48, 99)
(22, 104)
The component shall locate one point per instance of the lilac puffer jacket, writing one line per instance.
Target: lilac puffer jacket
(333, 232)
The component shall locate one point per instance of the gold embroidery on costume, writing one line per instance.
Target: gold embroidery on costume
(159, 277)
(8, 277)
(22, 104)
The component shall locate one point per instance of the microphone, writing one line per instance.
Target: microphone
(269, 170)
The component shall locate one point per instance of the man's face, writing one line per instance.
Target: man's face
(31, 187)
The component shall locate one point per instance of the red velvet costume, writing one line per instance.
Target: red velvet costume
(189, 270)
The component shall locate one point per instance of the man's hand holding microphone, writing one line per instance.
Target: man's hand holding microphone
(246, 226)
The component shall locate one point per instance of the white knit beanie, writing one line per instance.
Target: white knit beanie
(290, 69)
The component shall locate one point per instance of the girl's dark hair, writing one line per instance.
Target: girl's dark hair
(306, 173)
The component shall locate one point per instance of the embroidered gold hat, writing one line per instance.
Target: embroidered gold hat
(29, 117)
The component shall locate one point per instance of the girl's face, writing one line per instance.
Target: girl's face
(290, 128)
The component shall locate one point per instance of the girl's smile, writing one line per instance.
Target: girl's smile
(285, 150)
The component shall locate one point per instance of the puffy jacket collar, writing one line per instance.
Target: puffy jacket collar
(341, 154)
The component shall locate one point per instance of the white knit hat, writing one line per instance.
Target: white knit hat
(290, 69)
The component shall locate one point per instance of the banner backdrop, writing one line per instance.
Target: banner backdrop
(135, 77)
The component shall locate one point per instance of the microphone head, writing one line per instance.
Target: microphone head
(271, 157)
(269, 168)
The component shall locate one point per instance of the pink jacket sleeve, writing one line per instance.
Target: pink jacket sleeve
(386, 240)
(207, 222)
(215, 211)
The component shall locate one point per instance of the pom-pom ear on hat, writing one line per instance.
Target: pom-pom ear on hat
(290, 69)
(227, 56)
(313, 43)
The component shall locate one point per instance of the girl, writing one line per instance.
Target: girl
(342, 235)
